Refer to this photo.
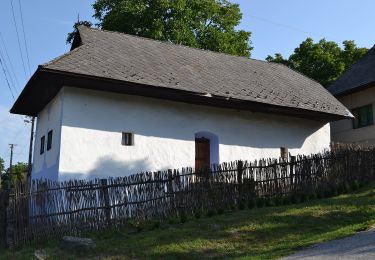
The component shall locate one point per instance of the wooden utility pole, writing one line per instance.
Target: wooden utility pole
(11, 159)
(29, 167)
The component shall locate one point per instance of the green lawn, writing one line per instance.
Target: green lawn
(265, 233)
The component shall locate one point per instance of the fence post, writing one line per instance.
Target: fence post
(105, 196)
(240, 181)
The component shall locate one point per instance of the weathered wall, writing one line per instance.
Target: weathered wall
(342, 131)
(46, 165)
(165, 134)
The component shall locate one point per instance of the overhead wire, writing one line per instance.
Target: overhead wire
(6, 79)
(24, 36)
(18, 38)
(7, 71)
(10, 63)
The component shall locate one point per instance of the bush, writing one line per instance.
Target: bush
(312, 196)
(286, 200)
(355, 185)
(260, 202)
(183, 217)
(269, 202)
(294, 198)
(211, 213)
(346, 188)
(278, 201)
(303, 197)
(251, 203)
(241, 205)
(320, 195)
(156, 225)
(220, 211)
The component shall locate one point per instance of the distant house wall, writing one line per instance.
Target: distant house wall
(342, 131)
(45, 166)
(164, 134)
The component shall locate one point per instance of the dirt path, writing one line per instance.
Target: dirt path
(359, 246)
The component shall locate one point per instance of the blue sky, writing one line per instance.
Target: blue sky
(276, 26)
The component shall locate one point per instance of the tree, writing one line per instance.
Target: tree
(323, 61)
(19, 173)
(1, 170)
(205, 24)
(70, 37)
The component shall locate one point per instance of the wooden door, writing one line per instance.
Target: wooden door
(202, 153)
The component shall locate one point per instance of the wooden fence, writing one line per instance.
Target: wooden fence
(58, 208)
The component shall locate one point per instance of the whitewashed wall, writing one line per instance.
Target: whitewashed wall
(46, 165)
(92, 123)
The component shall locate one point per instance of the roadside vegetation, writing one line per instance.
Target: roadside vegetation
(251, 233)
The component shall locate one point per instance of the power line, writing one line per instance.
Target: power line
(10, 62)
(24, 36)
(7, 71)
(6, 78)
(286, 26)
(18, 38)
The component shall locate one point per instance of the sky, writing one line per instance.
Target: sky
(276, 26)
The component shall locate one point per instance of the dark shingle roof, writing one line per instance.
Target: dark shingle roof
(162, 65)
(360, 74)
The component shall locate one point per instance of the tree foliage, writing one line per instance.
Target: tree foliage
(323, 61)
(71, 35)
(19, 173)
(205, 24)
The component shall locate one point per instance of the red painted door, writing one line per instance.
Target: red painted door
(202, 153)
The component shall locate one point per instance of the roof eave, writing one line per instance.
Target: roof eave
(48, 82)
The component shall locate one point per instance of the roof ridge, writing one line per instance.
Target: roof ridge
(170, 43)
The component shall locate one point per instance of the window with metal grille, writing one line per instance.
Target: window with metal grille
(363, 116)
(127, 139)
(49, 140)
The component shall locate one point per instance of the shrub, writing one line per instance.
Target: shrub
(156, 225)
(303, 197)
(286, 200)
(260, 202)
(241, 205)
(251, 203)
(346, 188)
(278, 201)
(211, 213)
(312, 196)
(269, 202)
(220, 211)
(171, 221)
(355, 185)
(197, 214)
(294, 198)
(183, 217)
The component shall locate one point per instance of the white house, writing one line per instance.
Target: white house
(117, 104)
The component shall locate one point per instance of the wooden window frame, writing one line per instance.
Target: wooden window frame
(284, 152)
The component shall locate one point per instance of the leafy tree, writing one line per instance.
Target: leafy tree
(323, 61)
(205, 24)
(1, 170)
(70, 37)
(19, 173)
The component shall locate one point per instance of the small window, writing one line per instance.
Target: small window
(42, 141)
(363, 116)
(127, 139)
(284, 152)
(49, 140)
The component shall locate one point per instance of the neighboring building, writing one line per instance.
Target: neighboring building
(355, 88)
(118, 104)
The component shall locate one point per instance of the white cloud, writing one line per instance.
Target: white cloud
(13, 130)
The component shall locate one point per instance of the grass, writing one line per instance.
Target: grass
(264, 233)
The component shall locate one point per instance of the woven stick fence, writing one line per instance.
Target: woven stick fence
(59, 208)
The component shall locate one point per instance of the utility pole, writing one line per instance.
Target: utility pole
(29, 167)
(11, 159)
